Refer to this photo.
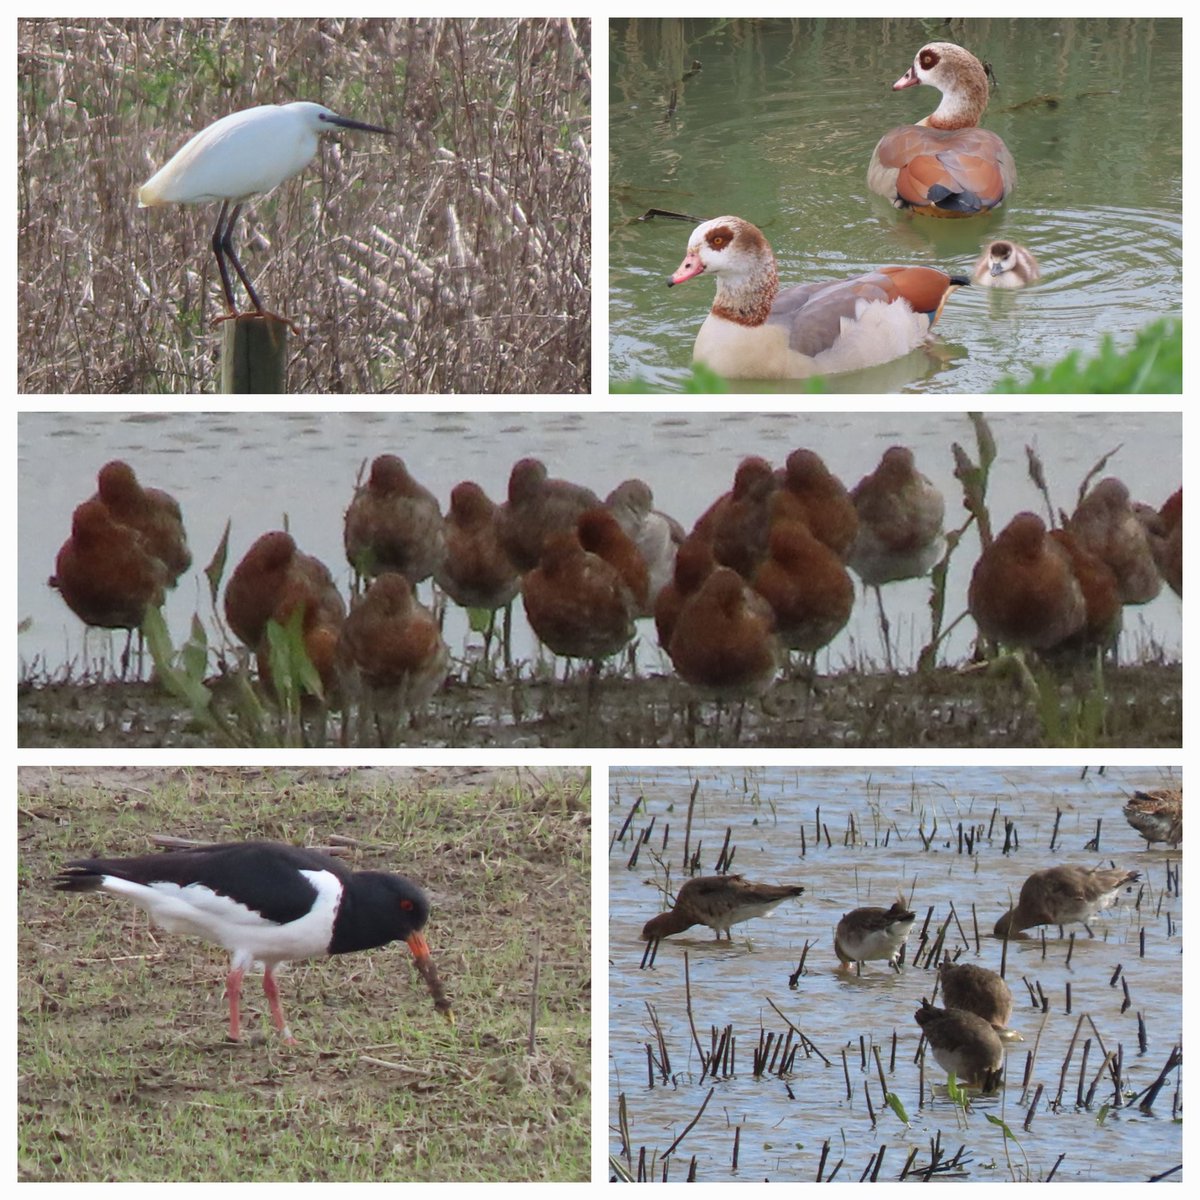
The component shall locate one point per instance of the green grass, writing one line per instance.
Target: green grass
(125, 1071)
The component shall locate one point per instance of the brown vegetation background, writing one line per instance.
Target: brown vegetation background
(453, 257)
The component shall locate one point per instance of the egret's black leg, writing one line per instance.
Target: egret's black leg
(217, 240)
(228, 251)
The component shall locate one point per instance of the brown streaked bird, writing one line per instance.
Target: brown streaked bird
(394, 524)
(392, 645)
(1157, 815)
(963, 1044)
(724, 640)
(807, 587)
(1104, 523)
(900, 521)
(977, 990)
(155, 514)
(538, 506)
(1062, 895)
(576, 603)
(718, 901)
(104, 572)
(944, 165)
(756, 331)
(811, 493)
(1023, 592)
(655, 534)
(866, 934)
(1006, 265)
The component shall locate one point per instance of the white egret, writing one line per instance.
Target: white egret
(244, 154)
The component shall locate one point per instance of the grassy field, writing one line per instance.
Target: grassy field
(454, 257)
(125, 1070)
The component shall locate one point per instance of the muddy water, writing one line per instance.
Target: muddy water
(259, 470)
(784, 1122)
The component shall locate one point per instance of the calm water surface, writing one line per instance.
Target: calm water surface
(778, 127)
(257, 469)
(785, 1122)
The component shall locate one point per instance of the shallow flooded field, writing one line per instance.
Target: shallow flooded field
(844, 1096)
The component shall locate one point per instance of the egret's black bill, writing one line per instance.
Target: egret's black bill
(347, 123)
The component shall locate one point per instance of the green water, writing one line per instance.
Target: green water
(778, 124)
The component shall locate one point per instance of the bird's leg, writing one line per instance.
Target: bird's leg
(272, 990)
(217, 239)
(885, 629)
(233, 989)
(228, 251)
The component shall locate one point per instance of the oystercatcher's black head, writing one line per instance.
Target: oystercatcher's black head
(380, 908)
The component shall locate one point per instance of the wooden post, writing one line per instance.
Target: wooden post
(254, 355)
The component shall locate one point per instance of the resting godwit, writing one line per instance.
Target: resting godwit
(155, 514)
(900, 517)
(1106, 524)
(655, 534)
(394, 524)
(811, 493)
(718, 901)
(737, 524)
(537, 507)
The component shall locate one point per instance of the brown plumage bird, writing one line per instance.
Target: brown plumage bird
(977, 990)
(394, 524)
(963, 1044)
(864, 934)
(538, 506)
(1062, 895)
(1157, 815)
(718, 901)
(153, 513)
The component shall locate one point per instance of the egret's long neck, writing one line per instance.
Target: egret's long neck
(745, 297)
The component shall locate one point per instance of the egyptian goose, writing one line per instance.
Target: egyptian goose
(1006, 265)
(718, 901)
(1061, 895)
(267, 903)
(872, 933)
(944, 165)
(964, 1045)
(755, 331)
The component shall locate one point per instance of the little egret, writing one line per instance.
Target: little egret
(244, 154)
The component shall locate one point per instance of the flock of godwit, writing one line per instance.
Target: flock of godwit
(966, 1036)
(764, 571)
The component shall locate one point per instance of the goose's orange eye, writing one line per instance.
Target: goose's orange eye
(719, 240)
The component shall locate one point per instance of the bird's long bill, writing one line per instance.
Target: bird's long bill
(418, 945)
(347, 123)
(428, 972)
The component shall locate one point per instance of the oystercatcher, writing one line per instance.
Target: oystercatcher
(267, 903)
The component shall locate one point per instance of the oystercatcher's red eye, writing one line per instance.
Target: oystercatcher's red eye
(406, 905)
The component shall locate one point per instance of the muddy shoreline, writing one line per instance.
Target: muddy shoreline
(951, 707)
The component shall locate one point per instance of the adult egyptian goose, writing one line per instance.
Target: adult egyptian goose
(718, 901)
(944, 165)
(1006, 265)
(267, 903)
(756, 331)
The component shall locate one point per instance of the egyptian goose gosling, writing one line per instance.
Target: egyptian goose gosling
(963, 1044)
(755, 331)
(718, 901)
(870, 933)
(944, 165)
(1006, 265)
(1061, 895)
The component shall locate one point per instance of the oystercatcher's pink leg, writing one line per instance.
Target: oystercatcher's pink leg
(272, 990)
(233, 989)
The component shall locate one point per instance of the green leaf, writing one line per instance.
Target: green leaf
(216, 568)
